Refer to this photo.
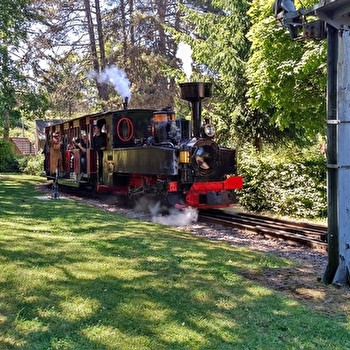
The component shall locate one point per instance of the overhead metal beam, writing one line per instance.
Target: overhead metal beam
(334, 12)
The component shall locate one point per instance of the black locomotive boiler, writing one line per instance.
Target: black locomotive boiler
(150, 152)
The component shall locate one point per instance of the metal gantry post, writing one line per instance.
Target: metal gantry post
(343, 147)
(336, 13)
(332, 155)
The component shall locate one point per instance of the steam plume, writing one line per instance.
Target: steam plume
(115, 76)
(184, 52)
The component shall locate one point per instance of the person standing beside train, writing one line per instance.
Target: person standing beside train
(55, 154)
(99, 143)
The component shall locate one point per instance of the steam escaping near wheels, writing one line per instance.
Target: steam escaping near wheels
(184, 217)
(164, 215)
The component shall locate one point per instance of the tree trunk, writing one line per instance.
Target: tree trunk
(101, 43)
(6, 126)
(124, 25)
(132, 25)
(102, 91)
(162, 45)
(6, 89)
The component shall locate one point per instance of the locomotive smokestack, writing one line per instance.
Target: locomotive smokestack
(125, 103)
(195, 93)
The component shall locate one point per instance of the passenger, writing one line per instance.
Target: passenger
(82, 146)
(55, 154)
(99, 139)
(99, 143)
(71, 148)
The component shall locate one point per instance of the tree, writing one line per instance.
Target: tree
(66, 87)
(286, 78)
(139, 44)
(14, 17)
(115, 35)
(98, 61)
(217, 36)
(64, 47)
(267, 87)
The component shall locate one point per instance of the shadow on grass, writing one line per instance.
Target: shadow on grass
(75, 277)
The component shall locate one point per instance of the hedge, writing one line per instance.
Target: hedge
(283, 184)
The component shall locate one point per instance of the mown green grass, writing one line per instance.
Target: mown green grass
(76, 277)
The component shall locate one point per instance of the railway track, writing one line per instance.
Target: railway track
(307, 234)
(311, 235)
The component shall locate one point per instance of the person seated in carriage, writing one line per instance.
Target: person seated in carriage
(82, 144)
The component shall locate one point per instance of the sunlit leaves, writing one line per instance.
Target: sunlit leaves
(286, 76)
(17, 94)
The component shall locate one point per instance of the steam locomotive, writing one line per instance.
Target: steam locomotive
(150, 152)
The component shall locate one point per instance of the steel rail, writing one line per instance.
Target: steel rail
(306, 234)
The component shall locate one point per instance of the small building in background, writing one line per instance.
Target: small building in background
(22, 146)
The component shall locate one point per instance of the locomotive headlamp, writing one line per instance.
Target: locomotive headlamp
(209, 130)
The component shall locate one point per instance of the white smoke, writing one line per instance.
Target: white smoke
(115, 76)
(173, 217)
(184, 52)
(184, 217)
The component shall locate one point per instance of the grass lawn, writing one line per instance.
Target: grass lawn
(76, 277)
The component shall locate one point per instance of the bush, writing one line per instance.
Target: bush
(22, 162)
(34, 165)
(284, 183)
(8, 161)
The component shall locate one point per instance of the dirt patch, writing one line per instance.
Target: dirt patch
(304, 283)
(301, 281)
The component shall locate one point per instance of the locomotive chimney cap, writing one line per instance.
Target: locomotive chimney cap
(195, 91)
(125, 102)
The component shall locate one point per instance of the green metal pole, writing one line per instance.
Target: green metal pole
(332, 157)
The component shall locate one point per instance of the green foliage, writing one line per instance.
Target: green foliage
(286, 78)
(33, 104)
(217, 37)
(283, 184)
(34, 165)
(266, 87)
(18, 97)
(22, 162)
(8, 161)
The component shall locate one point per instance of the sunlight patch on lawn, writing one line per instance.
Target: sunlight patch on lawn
(26, 326)
(113, 338)
(78, 308)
